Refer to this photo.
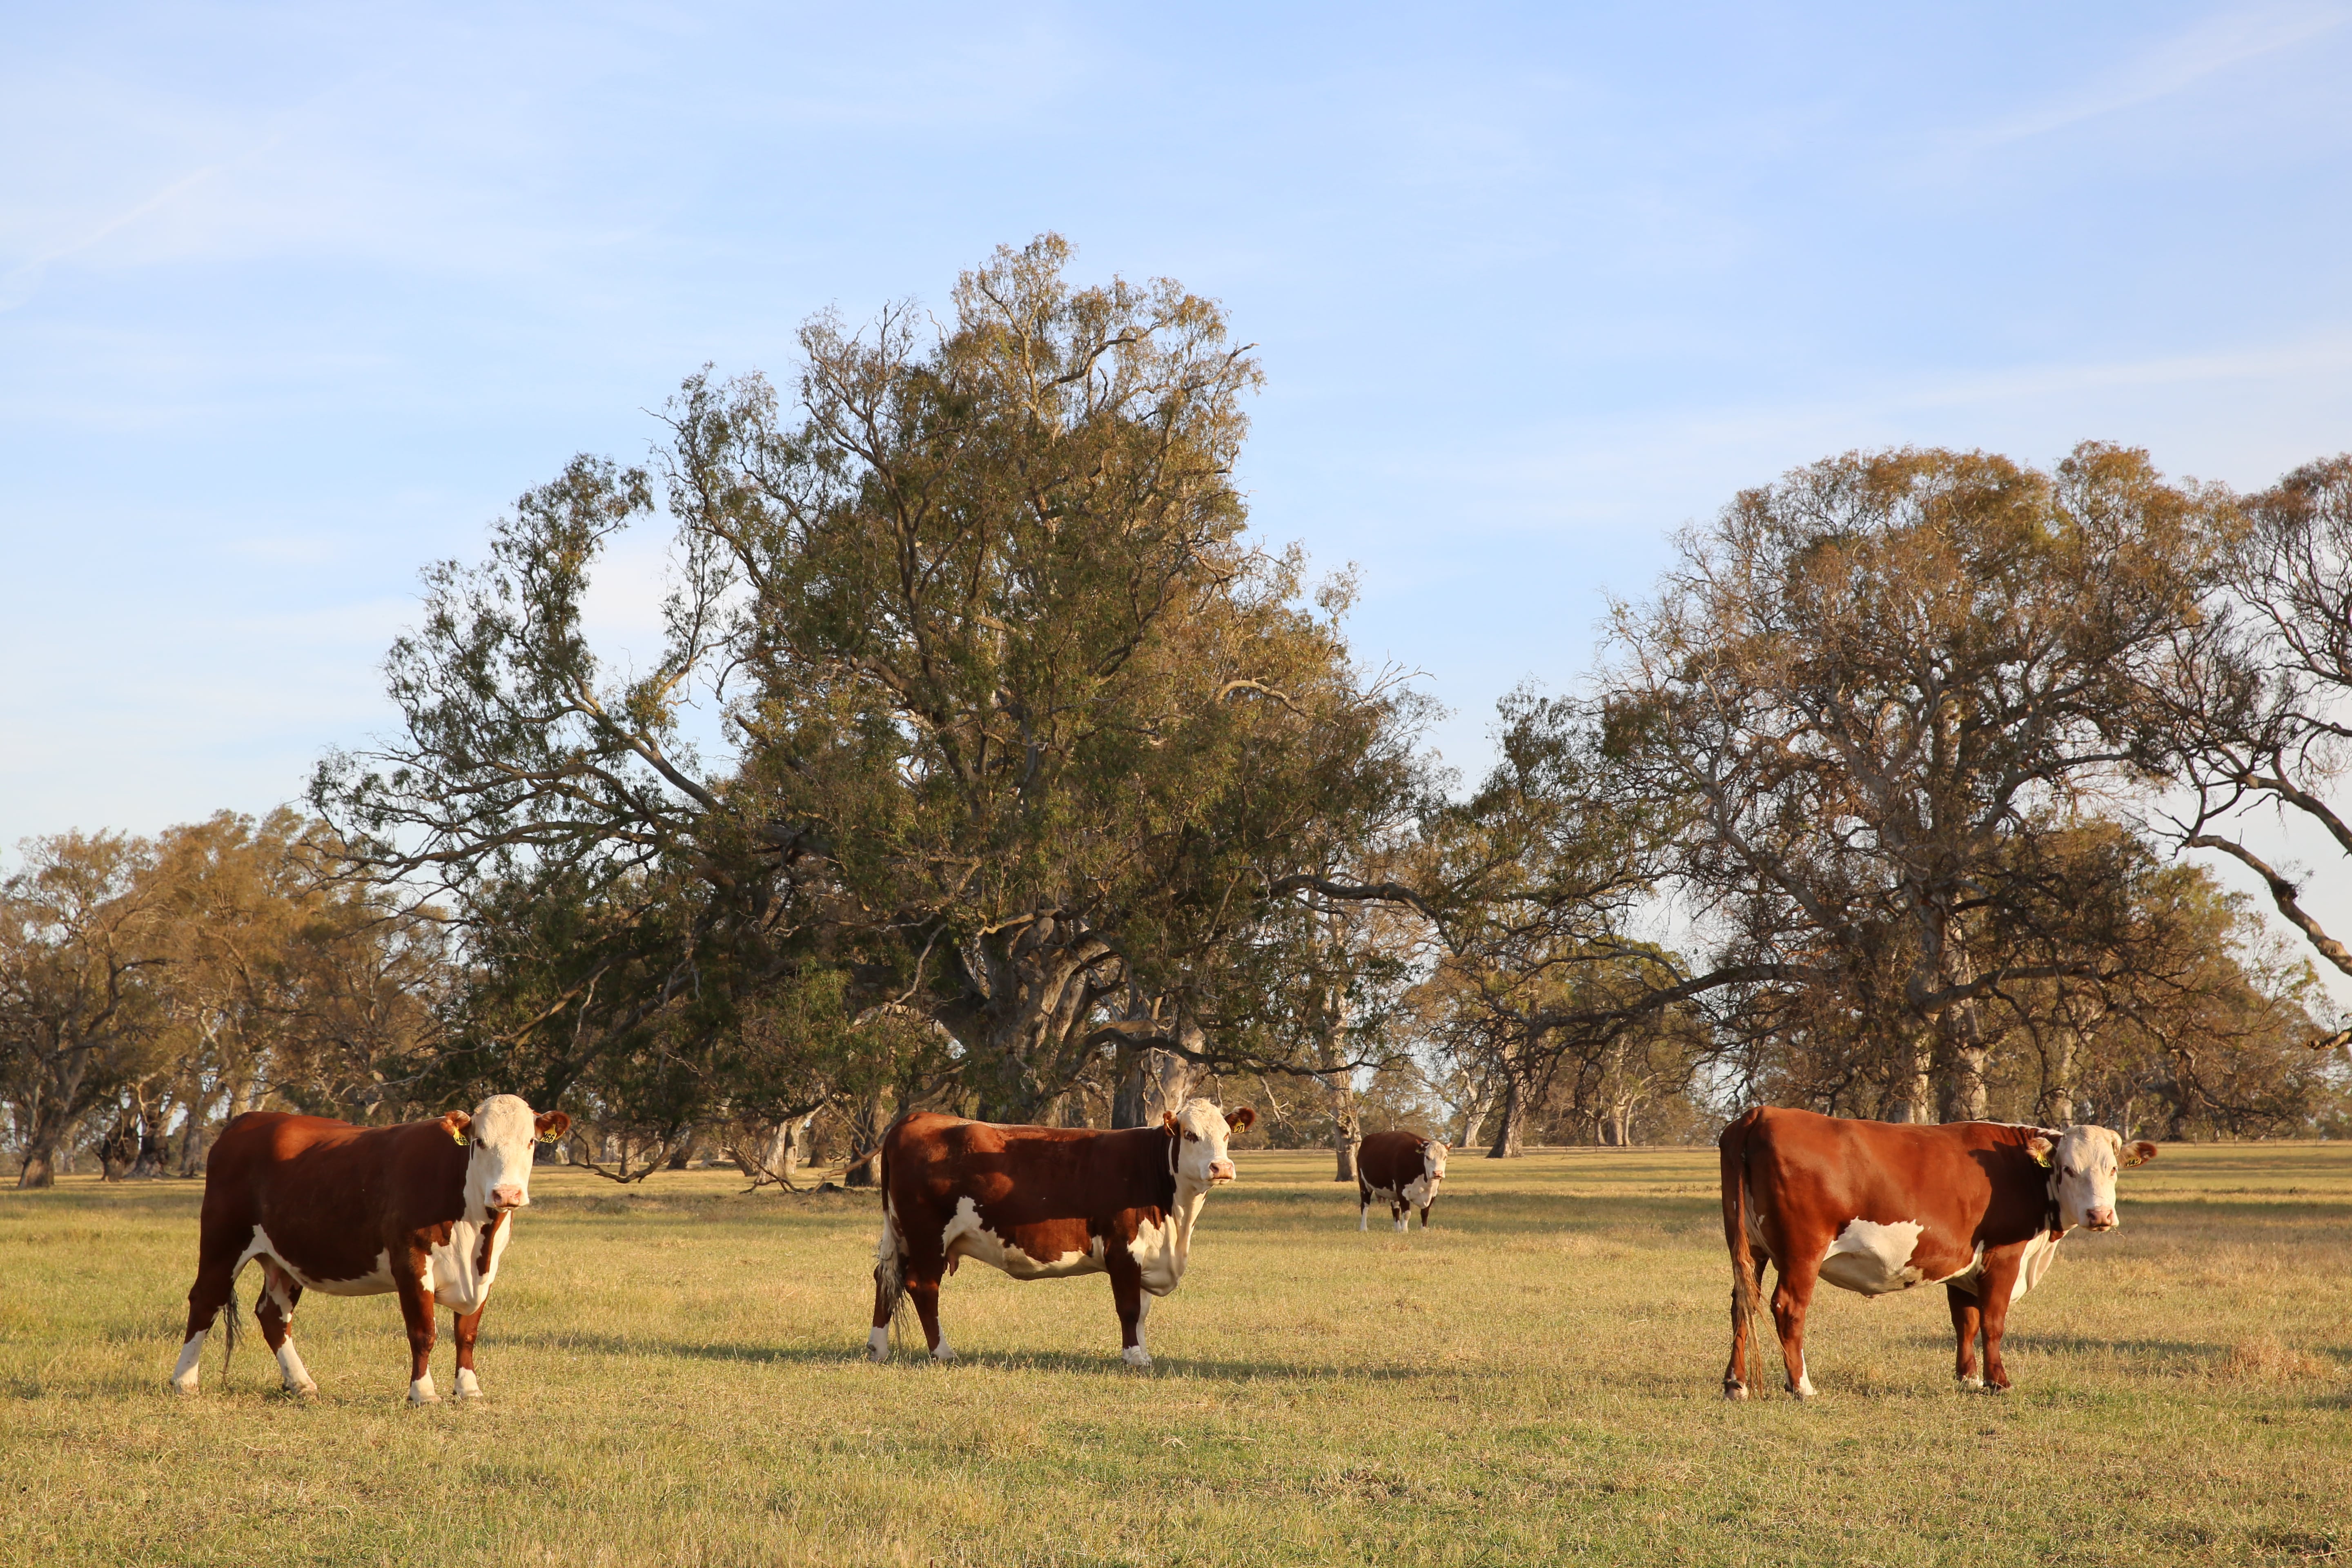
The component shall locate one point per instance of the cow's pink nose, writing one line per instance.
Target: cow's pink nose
(2103, 1219)
(1221, 1170)
(508, 1197)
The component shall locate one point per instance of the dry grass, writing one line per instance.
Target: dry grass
(673, 1380)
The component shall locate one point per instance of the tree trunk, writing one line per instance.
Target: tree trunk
(1918, 1104)
(41, 1166)
(1475, 1111)
(1513, 1126)
(868, 1122)
(1156, 1082)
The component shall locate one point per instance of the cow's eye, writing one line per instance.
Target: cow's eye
(1192, 1136)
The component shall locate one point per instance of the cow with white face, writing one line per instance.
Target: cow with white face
(1044, 1202)
(421, 1210)
(1401, 1168)
(1979, 1207)
(2083, 1163)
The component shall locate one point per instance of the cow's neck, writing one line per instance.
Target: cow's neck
(1182, 1210)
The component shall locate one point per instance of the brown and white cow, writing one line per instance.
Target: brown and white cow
(1043, 1203)
(1977, 1207)
(421, 1210)
(1403, 1168)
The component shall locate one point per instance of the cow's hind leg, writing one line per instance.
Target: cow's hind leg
(1134, 1306)
(1363, 1207)
(469, 1325)
(279, 1295)
(1743, 1305)
(1967, 1322)
(218, 1253)
(416, 1309)
(1793, 1293)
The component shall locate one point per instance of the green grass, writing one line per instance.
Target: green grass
(673, 1379)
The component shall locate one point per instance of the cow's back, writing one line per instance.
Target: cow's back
(1021, 1175)
(331, 1198)
(1976, 1178)
(1388, 1162)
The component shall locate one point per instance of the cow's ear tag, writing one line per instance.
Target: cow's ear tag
(549, 1136)
(458, 1136)
(2039, 1149)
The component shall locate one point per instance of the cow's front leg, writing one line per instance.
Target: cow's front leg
(1424, 1213)
(1400, 1208)
(1134, 1306)
(1791, 1296)
(408, 1281)
(469, 1325)
(1363, 1208)
(1995, 1285)
(279, 1295)
(925, 1294)
(1966, 1321)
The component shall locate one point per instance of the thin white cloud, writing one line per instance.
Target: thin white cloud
(2169, 67)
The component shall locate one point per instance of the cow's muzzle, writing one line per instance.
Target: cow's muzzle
(508, 1198)
(1220, 1171)
(2100, 1219)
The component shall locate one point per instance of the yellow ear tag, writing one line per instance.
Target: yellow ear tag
(547, 1137)
(458, 1136)
(2041, 1157)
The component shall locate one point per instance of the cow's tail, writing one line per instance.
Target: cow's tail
(1746, 1289)
(232, 1323)
(890, 1259)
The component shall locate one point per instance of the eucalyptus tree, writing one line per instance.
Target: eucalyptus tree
(80, 948)
(1868, 685)
(2257, 710)
(1016, 730)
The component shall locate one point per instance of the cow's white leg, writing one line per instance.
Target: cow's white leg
(192, 1355)
(469, 1385)
(420, 1391)
(877, 1343)
(1135, 1354)
(946, 1350)
(1399, 1223)
(1804, 1389)
(1364, 1216)
(297, 1376)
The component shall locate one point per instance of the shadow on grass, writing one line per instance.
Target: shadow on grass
(1022, 1360)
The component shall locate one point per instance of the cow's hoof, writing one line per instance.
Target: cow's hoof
(878, 1357)
(418, 1401)
(944, 1357)
(1971, 1385)
(1996, 1388)
(300, 1390)
(1734, 1391)
(184, 1390)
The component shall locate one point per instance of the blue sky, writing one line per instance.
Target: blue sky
(293, 300)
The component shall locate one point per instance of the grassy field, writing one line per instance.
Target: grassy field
(673, 1378)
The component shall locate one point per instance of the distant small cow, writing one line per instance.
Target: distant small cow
(1044, 1203)
(1977, 1207)
(420, 1210)
(1403, 1168)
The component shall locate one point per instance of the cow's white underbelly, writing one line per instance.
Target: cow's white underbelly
(966, 1236)
(1873, 1259)
(375, 1282)
(1417, 1192)
(452, 1270)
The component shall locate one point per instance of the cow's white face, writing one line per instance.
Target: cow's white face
(2083, 1166)
(1433, 1162)
(500, 1138)
(1199, 1134)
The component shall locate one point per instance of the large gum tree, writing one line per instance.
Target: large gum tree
(1016, 731)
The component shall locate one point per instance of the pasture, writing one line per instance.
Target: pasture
(674, 1377)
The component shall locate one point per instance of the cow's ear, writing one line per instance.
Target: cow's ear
(1168, 1122)
(2040, 1148)
(1240, 1117)
(552, 1125)
(456, 1123)
(2139, 1154)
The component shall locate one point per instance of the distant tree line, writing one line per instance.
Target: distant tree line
(988, 762)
